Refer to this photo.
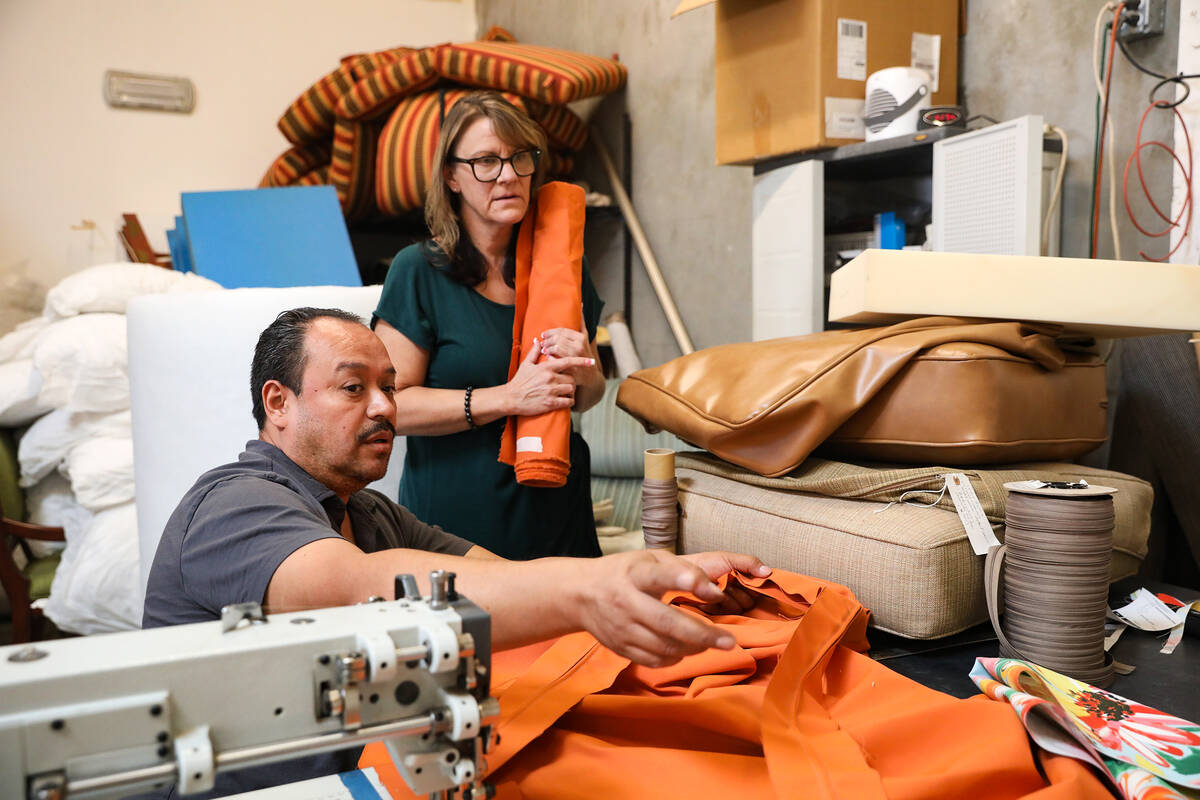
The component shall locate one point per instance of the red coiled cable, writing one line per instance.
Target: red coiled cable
(1135, 159)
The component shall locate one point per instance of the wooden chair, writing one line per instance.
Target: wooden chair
(22, 585)
(138, 246)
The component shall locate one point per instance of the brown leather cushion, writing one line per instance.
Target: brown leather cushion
(767, 405)
(970, 403)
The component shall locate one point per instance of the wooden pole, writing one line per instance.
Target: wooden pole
(643, 246)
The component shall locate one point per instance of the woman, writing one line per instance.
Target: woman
(446, 318)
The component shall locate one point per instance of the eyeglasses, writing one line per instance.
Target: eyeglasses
(488, 168)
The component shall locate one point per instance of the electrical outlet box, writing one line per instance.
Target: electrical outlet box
(1147, 19)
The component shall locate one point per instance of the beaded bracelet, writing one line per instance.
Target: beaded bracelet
(467, 408)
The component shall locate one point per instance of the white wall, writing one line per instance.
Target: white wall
(65, 156)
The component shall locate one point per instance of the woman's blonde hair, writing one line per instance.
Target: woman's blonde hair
(442, 205)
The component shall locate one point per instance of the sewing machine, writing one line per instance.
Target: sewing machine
(108, 716)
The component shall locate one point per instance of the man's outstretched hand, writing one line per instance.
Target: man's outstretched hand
(617, 600)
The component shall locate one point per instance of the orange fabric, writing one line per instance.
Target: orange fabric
(548, 279)
(794, 710)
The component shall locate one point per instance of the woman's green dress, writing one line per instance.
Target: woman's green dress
(455, 480)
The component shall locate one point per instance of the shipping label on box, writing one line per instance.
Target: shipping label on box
(852, 49)
(844, 118)
(926, 52)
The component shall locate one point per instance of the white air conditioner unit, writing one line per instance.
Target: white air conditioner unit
(987, 190)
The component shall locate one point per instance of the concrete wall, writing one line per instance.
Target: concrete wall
(1028, 57)
(696, 215)
(1017, 57)
(68, 157)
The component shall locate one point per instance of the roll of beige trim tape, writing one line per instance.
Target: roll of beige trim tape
(1054, 569)
(660, 500)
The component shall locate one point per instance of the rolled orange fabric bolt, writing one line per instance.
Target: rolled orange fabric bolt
(549, 272)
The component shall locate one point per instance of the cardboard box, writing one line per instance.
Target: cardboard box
(791, 74)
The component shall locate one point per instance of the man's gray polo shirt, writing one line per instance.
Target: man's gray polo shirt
(230, 533)
(240, 521)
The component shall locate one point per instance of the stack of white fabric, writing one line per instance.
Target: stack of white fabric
(65, 375)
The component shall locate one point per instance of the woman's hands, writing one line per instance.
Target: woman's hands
(567, 343)
(538, 388)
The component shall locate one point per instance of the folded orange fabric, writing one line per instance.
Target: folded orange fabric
(794, 710)
(549, 295)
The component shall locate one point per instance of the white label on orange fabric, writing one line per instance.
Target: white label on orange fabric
(529, 444)
(852, 49)
(979, 530)
(844, 118)
(926, 55)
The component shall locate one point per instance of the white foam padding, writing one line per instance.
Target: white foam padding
(1092, 297)
(189, 376)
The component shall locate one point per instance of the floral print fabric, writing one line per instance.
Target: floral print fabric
(1145, 753)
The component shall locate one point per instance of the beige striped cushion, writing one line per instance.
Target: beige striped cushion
(545, 74)
(913, 567)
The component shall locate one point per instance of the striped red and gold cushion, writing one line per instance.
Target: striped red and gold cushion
(546, 74)
(297, 163)
(318, 177)
(310, 117)
(407, 144)
(563, 127)
(352, 166)
(558, 164)
(378, 89)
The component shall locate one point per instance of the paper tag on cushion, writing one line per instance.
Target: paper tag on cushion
(529, 444)
(970, 512)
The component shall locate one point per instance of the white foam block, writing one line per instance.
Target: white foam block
(1108, 299)
(189, 375)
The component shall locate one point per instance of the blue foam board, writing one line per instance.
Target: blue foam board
(293, 236)
(177, 244)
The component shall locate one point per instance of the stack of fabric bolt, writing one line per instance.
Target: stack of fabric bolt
(369, 128)
(65, 376)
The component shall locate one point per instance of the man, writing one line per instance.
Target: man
(292, 526)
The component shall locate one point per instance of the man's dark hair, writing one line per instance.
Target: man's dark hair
(279, 354)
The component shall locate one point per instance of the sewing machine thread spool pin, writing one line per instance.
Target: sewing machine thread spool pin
(440, 586)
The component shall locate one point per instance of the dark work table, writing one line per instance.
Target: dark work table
(1168, 683)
